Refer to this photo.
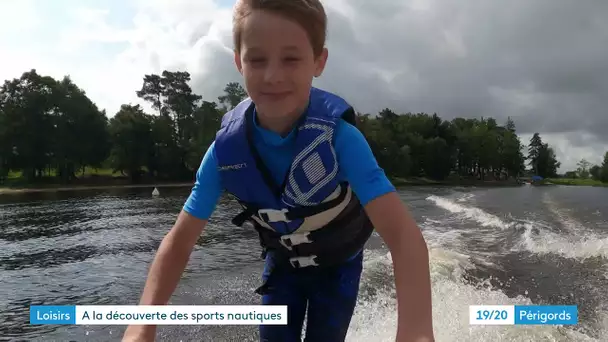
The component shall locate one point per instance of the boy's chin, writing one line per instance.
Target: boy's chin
(276, 110)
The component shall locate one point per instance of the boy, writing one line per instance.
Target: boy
(308, 183)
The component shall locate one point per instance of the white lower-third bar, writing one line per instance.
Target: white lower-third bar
(492, 314)
(181, 314)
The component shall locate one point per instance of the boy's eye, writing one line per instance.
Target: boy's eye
(260, 61)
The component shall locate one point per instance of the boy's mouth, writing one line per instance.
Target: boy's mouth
(276, 95)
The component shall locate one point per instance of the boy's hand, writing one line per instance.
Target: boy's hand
(140, 333)
(166, 270)
(408, 338)
(410, 264)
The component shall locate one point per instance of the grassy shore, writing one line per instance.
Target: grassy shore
(418, 181)
(6, 190)
(92, 179)
(576, 182)
(103, 179)
(399, 182)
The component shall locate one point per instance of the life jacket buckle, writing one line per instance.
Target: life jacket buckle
(274, 215)
(290, 240)
(304, 261)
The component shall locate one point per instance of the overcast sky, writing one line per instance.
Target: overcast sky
(542, 62)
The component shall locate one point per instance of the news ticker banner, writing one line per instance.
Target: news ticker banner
(268, 314)
(523, 314)
(159, 314)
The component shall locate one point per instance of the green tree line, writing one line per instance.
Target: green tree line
(50, 127)
(587, 170)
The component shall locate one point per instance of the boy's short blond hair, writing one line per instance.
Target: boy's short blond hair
(309, 14)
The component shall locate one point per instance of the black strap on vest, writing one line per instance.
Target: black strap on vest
(276, 189)
(291, 214)
(329, 246)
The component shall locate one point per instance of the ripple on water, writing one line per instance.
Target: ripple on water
(96, 249)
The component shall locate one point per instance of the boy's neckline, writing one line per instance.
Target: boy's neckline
(271, 137)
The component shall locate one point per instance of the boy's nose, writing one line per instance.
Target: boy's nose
(274, 73)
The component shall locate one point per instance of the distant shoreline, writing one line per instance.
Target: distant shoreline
(397, 181)
(57, 188)
(576, 182)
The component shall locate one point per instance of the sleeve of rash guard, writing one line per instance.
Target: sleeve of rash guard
(207, 189)
(358, 165)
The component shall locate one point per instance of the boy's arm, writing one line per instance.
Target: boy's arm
(166, 270)
(411, 266)
(396, 227)
(171, 259)
(175, 249)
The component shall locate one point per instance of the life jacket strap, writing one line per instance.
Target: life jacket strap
(286, 215)
(336, 255)
(274, 215)
(328, 259)
(332, 243)
(304, 261)
(294, 239)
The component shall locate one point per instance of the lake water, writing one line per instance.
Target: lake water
(523, 245)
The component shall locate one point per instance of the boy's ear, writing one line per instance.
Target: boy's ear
(321, 62)
(237, 62)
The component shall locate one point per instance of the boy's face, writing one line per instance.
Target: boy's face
(278, 64)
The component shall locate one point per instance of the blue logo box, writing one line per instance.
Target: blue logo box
(546, 314)
(52, 314)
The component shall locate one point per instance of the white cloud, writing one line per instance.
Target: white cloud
(17, 16)
(90, 26)
(588, 147)
(456, 58)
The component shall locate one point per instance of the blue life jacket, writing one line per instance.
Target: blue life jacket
(312, 218)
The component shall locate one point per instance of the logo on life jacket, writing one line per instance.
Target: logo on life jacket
(232, 167)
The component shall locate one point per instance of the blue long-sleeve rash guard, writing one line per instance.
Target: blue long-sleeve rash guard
(358, 166)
